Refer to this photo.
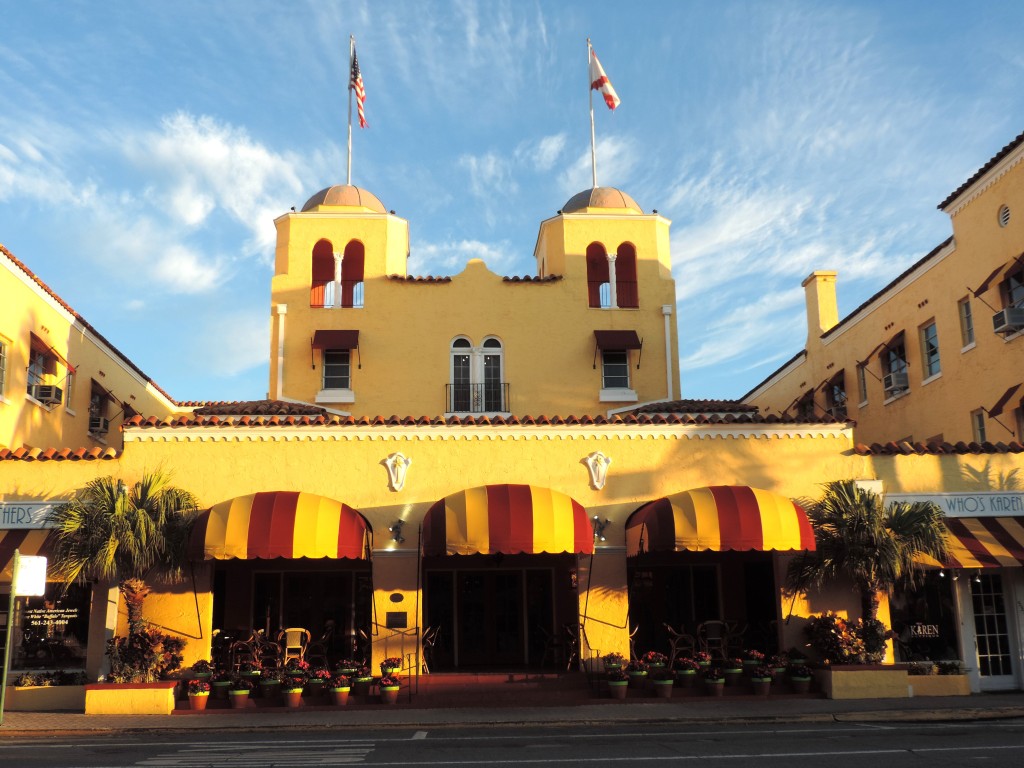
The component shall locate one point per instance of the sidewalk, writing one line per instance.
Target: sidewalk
(677, 711)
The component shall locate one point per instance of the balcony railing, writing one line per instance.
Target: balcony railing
(323, 294)
(476, 398)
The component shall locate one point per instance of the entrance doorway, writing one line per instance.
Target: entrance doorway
(993, 631)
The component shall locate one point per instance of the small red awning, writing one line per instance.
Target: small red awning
(336, 340)
(286, 524)
(617, 340)
(507, 519)
(718, 519)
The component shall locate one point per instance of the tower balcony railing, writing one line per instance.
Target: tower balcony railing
(323, 294)
(477, 398)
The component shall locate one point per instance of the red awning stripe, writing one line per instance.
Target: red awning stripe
(984, 542)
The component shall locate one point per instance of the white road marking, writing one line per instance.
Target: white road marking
(249, 755)
(419, 735)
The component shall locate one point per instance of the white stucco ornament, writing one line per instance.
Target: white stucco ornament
(398, 466)
(598, 464)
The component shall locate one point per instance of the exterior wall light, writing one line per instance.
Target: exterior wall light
(599, 527)
(396, 531)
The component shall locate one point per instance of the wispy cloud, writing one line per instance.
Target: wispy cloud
(452, 255)
(616, 159)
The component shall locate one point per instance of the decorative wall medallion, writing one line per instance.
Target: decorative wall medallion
(598, 464)
(397, 466)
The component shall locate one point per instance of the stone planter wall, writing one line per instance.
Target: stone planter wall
(57, 698)
(939, 685)
(130, 698)
(878, 681)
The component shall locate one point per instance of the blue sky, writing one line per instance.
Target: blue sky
(145, 149)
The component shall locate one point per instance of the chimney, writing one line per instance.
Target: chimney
(822, 310)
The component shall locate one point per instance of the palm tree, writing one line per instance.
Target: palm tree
(877, 547)
(110, 532)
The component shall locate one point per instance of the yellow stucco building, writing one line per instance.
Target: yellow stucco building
(494, 458)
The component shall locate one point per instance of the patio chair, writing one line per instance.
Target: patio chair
(293, 643)
(428, 642)
(680, 643)
(714, 638)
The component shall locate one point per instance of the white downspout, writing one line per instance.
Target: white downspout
(282, 310)
(666, 310)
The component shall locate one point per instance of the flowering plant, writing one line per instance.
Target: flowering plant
(240, 684)
(340, 681)
(347, 664)
(391, 662)
(389, 682)
(702, 657)
(839, 641)
(779, 660)
(761, 672)
(714, 675)
(613, 660)
(636, 666)
(249, 666)
(202, 667)
(294, 682)
(319, 673)
(663, 674)
(270, 676)
(362, 673)
(800, 670)
(196, 687)
(223, 676)
(686, 665)
(733, 663)
(617, 675)
(296, 665)
(753, 655)
(653, 657)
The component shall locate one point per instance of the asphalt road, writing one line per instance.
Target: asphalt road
(838, 745)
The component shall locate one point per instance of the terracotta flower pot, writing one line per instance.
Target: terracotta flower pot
(800, 684)
(714, 688)
(686, 679)
(293, 697)
(617, 688)
(220, 690)
(361, 685)
(732, 676)
(663, 689)
(637, 679)
(760, 685)
(197, 701)
(339, 696)
(389, 695)
(239, 699)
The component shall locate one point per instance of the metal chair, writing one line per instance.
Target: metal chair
(572, 643)
(714, 638)
(293, 642)
(554, 648)
(632, 642)
(428, 641)
(318, 651)
(238, 652)
(679, 643)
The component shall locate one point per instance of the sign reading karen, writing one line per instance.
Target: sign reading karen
(981, 504)
(25, 514)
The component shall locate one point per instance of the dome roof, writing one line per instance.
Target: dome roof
(347, 196)
(600, 197)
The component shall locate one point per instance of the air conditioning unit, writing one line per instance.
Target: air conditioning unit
(894, 382)
(1008, 320)
(98, 425)
(46, 393)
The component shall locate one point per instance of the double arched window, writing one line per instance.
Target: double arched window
(477, 374)
(337, 277)
(602, 290)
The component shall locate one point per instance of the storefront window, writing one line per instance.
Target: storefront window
(924, 621)
(50, 632)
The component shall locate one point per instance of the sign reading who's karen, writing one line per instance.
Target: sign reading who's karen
(982, 504)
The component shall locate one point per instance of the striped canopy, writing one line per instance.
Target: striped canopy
(983, 542)
(719, 519)
(506, 519)
(28, 541)
(285, 524)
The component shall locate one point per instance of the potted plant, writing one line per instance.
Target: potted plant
(219, 684)
(390, 666)
(346, 667)
(663, 680)
(249, 669)
(389, 687)
(703, 659)
(316, 680)
(761, 680)
(618, 682)
(238, 691)
(733, 669)
(800, 678)
(340, 685)
(655, 660)
(752, 659)
(198, 694)
(202, 670)
(686, 671)
(291, 688)
(362, 680)
(714, 681)
(637, 671)
(270, 683)
(778, 663)
(613, 661)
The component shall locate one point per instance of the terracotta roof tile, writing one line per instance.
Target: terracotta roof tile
(418, 279)
(532, 279)
(697, 406)
(58, 454)
(905, 449)
(982, 171)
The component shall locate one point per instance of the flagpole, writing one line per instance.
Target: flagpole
(351, 50)
(593, 141)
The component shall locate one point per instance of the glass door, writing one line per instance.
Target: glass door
(992, 632)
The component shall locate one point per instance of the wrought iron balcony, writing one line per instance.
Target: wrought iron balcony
(477, 398)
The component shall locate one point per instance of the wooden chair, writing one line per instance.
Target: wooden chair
(293, 643)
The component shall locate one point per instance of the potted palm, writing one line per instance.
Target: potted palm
(340, 685)
(618, 682)
(238, 692)
(389, 687)
(663, 680)
(291, 688)
(761, 680)
(198, 694)
(714, 681)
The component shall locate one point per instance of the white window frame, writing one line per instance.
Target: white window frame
(3, 369)
(616, 394)
(930, 357)
(491, 347)
(335, 394)
(862, 386)
(966, 315)
(978, 426)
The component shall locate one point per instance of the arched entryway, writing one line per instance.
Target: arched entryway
(708, 555)
(499, 569)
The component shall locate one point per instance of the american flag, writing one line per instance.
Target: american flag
(355, 85)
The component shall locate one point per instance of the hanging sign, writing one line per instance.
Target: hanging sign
(29, 576)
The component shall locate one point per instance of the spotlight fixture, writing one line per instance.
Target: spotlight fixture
(599, 527)
(956, 576)
(977, 579)
(942, 574)
(396, 531)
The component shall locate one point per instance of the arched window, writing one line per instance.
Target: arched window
(352, 275)
(477, 374)
(597, 276)
(493, 386)
(626, 291)
(461, 363)
(321, 293)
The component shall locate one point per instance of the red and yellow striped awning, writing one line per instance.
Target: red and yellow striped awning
(719, 519)
(287, 524)
(509, 519)
(983, 542)
(28, 541)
